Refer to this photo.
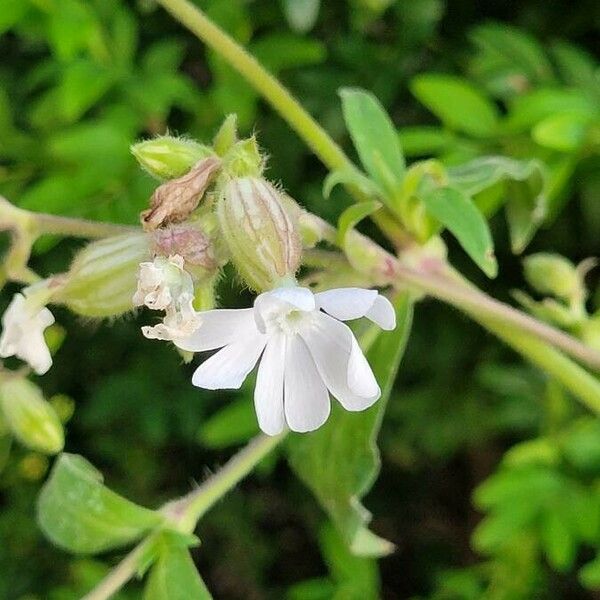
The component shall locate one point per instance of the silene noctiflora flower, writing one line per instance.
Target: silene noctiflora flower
(305, 351)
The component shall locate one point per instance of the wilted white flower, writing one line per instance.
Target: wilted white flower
(161, 282)
(165, 285)
(307, 353)
(23, 326)
(178, 323)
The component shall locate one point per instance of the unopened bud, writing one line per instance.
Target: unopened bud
(29, 417)
(169, 157)
(261, 236)
(244, 159)
(175, 200)
(103, 276)
(554, 275)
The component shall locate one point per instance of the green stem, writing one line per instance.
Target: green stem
(51, 224)
(186, 511)
(573, 377)
(265, 84)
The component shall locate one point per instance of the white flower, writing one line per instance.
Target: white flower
(161, 282)
(23, 326)
(307, 353)
(165, 285)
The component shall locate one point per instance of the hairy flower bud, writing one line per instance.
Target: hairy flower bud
(553, 275)
(30, 418)
(103, 276)
(176, 199)
(168, 157)
(262, 238)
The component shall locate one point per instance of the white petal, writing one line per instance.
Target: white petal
(346, 304)
(227, 369)
(219, 328)
(330, 343)
(382, 313)
(360, 375)
(268, 393)
(36, 353)
(306, 400)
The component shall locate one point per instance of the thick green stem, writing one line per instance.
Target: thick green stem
(186, 511)
(577, 380)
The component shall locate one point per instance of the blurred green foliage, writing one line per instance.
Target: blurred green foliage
(490, 481)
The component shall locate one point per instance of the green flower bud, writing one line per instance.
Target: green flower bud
(261, 236)
(30, 418)
(553, 275)
(168, 157)
(103, 276)
(244, 159)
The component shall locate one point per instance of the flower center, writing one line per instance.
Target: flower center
(290, 322)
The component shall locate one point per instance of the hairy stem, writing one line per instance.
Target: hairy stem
(186, 511)
(67, 226)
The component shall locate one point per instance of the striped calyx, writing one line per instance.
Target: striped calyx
(261, 236)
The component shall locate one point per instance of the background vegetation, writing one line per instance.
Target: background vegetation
(490, 479)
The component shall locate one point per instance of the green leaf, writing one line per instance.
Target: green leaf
(529, 109)
(589, 574)
(525, 184)
(174, 576)
(456, 211)
(78, 513)
(349, 177)
(566, 132)
(340, 461)
(424, 140)
(513, 50)
(301, 14)
(374, 137)
(352, 216)
(557, 540)
(457, 103)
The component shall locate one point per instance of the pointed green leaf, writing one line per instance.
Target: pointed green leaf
(375, 138)
(352, 216)
(78, 513)
(525, 185)
(457, 103)
(340, 461)
(462, 218)
(174, 576)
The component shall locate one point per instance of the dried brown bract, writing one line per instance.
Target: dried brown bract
(175, 200)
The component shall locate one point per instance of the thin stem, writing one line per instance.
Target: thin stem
(44, 223)
(120, 575)
(186, 511)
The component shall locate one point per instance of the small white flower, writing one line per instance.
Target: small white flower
(307, 353)
(165, 285)
(161, 282)
(23, 326)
